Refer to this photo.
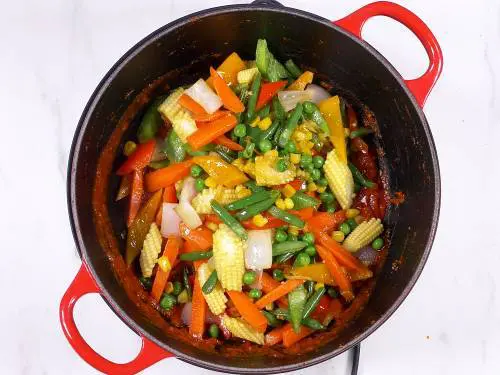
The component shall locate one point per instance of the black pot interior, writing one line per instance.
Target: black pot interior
(189, 45)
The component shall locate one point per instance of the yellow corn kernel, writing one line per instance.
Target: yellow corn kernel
(299, 136)
(363, 234)
(265, 123)
(255, 122)
(318, 286)
(295, 158)
(164, 264)
(312, 187)
(280, 203)
(239, 328)
(288, 203)
(210, 182)
(243, 193)
(351, 213)
(293, 230)
(338, 236)
(183, 297)
(212, 226)
(259, 220)
(308, 135)
(321, 189)
(288, 191)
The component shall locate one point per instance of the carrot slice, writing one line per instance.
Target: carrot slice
(268, 284)
(344, 257)
(229, 143)
(198, 311)
(167, 176)
(191, 105)
(279, 292)
(325, 221)
(170, 252)
(248, 310)
(210, 132)
(275, 336)
(228, 97)
(137, 190)
(201, 238)
(290, 337)
(208, 117)
(337, 272)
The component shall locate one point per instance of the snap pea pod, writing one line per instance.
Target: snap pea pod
(210, 284)
(360, 132)
(257, 208)
(159, 164)
(312, 323)
(252, 185)
(296, 302)
(277, 134)
(174, 148)
(151, 122)
(286, 247)
(290, 125)
(302, 200)
(268, 134)
(226, 154)
(278, 110)
(185, 280)
(287, 217)
(239, 88)
(293, 69)
(276, 70)
(312, 112)
(280, 259)
(248, 201)
(229, 220)
(264, 112)
(247, 153)
(312, 302)
(262, 56)
(271, 319)
(196, 255)
(252, 101)
(253, 134)
(359, 177)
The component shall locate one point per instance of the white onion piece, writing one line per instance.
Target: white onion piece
(188, 215)
(201, 93)
(188, 190)
(257, 284)
(289, 99)
(318, 93)
(186, 313)
(169, 220)
(259, 252)
(367, 255)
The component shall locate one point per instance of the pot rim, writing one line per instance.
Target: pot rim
(102, 87)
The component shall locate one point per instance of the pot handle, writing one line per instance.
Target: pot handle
(83, 283)
(422, 86)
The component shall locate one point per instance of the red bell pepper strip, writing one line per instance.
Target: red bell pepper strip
(138, 159)
(137, 189)
(267, 92)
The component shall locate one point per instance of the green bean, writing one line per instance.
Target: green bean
(281, 314)
(151, 122)
(312, 302)
(293, 69)
(268, 134)
(277, 134)
(244, 95)
(196, 255)
(264, 112)
(210, 284)
(257, 208)
(271, 319)
(252, 185)
(290, 125)
(359, 177)
(360, 132)
(312, 112)
(159, 164)
(174, 148)
(287, 217)
(229, 220)
(252, 101)
(279, 111)
(185, 279)
(280, 259)
(248, 201)
(302, 200)
(288, 247)
(312, 323)
(225, 153)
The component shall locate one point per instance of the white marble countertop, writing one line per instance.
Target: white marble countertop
(54, 53)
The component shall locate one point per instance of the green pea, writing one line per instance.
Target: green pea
(249, 277)
(265, 145)
(308, 237)
(177, 288)
(310, 250)
(345, 228)
(280, 235)
(240, 130)
(322, 182)
(326, 197)
(315, 174)
(168, 301)
(213, 331)
(291, 147)
(302, 260)
(196, 171)
(305, 160)
(254, 293)
(318, 161)
(309, 168)
(278, 274)
(199, 184)
(378, 243)
(352, 223)
(281, 165)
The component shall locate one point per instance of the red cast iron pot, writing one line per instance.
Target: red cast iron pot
(335, 50)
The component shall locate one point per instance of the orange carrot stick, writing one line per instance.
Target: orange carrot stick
(229, 143)
(191, 105)
(248, 310)
(170, 252)
(290, 337)
(268, 284)
(167, 176)
(210, 132)
(275, 336)
(344, 257)
(228, 97)
(137, 190)
(201, 238)
(337, 272)
(198, 311)
(325, 221)
(208, 117)
(279, 292)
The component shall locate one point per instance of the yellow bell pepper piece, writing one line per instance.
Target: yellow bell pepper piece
(319, 272)
(330, 109)
(220, 171)
(229, 69)
(300, 83)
